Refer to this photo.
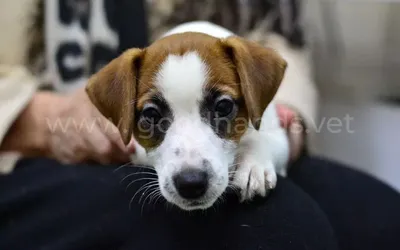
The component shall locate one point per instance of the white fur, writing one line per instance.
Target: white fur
(257, 157)
(202, 27)
(181, 80)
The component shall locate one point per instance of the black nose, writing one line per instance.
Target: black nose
(191, 183)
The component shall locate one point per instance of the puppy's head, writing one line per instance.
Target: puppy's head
(188, 99)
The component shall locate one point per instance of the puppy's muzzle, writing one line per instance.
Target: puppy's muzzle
(191, 183)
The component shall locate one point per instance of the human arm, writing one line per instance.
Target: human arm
(17, 87)
(27, 134)
(34, 123)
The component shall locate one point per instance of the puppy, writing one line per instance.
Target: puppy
(198, 102)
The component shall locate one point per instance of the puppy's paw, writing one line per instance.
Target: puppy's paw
(254, 179)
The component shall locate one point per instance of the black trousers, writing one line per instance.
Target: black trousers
(322, 205)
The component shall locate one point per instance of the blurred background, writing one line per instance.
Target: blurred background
(356, 52)
(355, 46)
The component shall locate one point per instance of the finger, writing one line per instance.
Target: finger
(286, 115)
(295, 130)
(58, 150)
(115, 148)
(70, 157)
(100, 146)
(79, 151)
(296, 141)
(70, 151)
(120, 150)
(131, 146)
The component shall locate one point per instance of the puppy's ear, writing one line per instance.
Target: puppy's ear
(113, 90)
(260, 71)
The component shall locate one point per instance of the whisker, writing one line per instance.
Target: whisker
(144, 83)
(143, 187)
(234, 189)
(155, 197)
(123, 165)
(130, 175)
(136, 173)
(141, 179)
(233, 172)
(137, 192)
(214, 205)
(144, 202)
(146, 167)
(144, 192)
(151, 195)
(159, 196)
(222, 198)
(236, 164)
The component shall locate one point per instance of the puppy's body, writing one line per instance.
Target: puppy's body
(210, 91)
(269, 143)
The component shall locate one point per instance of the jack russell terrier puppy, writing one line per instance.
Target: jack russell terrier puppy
(198, 102)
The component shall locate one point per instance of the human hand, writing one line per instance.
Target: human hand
(290, 121)
(77, 132)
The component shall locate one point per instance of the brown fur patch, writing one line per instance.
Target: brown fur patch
(260, 71)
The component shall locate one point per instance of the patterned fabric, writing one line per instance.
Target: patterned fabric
(81, 35)
(254, 18)
(80, 38)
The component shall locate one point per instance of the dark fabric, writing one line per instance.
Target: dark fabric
(132, 24)
(45, 205)
(364, 212)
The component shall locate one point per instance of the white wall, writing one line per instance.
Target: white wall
(357, 46)
(357, 59)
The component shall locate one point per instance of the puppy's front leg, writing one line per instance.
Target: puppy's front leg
(255, 173)
(261, 155)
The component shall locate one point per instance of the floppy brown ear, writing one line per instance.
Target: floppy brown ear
(113, 91)
(260, 71)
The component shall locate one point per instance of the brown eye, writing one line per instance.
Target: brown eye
(224, 107)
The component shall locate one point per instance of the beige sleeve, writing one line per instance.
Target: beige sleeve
(17, 87)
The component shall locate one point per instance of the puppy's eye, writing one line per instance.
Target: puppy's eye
(224, 107)
(151, 115)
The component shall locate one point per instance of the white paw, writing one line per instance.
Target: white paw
(254, 179)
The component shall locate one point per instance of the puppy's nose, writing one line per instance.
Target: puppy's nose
(191, 183)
